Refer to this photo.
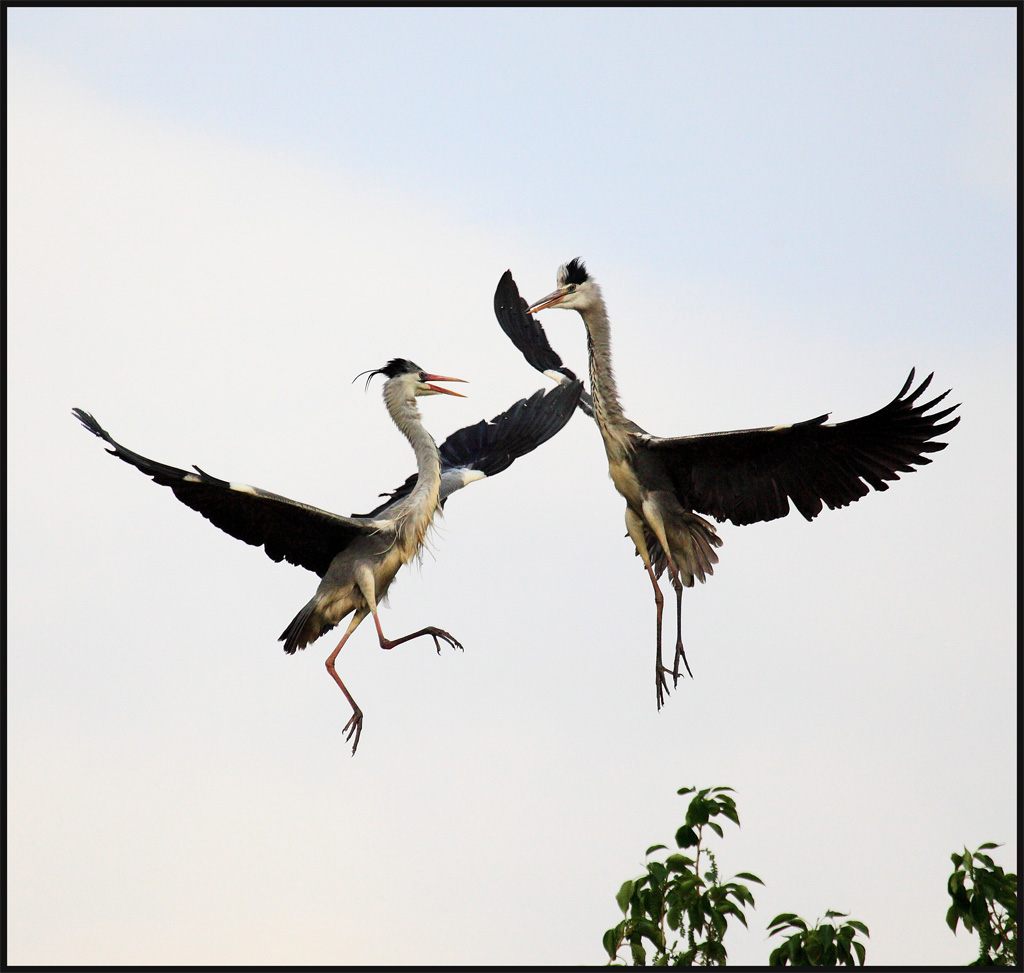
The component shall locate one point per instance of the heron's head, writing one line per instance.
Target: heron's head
(408, 376)
(576, 291)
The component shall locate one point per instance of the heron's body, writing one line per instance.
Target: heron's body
(358, 557)
(744, 476)
(360, 575)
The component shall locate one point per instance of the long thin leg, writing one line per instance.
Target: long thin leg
(660, 672)
(435, 633)
(680, 651)
(355, 725)
(635, 529)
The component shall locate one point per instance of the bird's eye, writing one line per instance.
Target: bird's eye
(423, 376)
(571, 288)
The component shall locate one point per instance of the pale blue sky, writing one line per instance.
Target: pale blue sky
(217, 218)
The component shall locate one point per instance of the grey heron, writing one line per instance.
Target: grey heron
(744, 476)
(358, 557)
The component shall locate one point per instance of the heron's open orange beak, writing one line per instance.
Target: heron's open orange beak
(550, 301)
(442, 378)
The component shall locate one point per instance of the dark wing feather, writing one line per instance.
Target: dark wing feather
(529, 337)
(751, 475)
(489, 447)
(286, 529)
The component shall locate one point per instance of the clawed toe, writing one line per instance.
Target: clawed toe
(680, 654)
(353, 728)
(661, 684)
(450, 639)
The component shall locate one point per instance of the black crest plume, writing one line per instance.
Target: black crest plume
(394, 368)
(574, 272)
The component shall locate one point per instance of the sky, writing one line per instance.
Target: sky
(218, 217)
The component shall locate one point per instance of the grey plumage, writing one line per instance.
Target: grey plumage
(743, 476)
(358, 557)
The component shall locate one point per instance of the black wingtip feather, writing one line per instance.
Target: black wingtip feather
(490, 447)
(524, 329)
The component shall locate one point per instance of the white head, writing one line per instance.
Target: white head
(576, 291)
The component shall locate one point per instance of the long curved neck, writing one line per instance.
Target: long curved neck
(418, 506)
(607, 409)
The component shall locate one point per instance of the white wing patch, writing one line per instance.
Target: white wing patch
(243, 488)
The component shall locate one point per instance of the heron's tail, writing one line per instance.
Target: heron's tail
(697, 558)
(692, 539)
(305, 627)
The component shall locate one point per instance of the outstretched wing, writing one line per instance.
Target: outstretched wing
(751, 474)
(286, 529)
(488, 447)
(529, 337)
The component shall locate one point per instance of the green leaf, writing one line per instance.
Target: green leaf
(611, 942)
(719, 921)
(749, 877)
(686, 837)
(859, 947)
(952, 918)
(859, 925)
(730, 813)
(673, 916)
(624, 894)
(653, 849)
(689, 882)
(678, 863)
(716, 953)
(740, 893)
(787, 919)
(686, 790)
(651, 900)
(697, 812)
(648, 929)
(979, 912)
(989, 844)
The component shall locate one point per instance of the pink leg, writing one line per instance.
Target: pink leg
(660, 682)
(434, 633)
(355, 725)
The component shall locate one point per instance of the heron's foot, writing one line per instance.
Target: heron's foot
(661, 683)
(680, 654)
(353, 728)
(437, 633)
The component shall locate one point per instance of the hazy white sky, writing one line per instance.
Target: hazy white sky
(216, 218)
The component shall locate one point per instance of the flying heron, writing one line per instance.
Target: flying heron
(358, 557)
(744, 476)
